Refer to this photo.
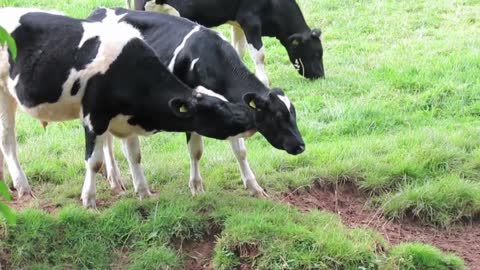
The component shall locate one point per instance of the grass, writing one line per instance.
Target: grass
(398, 113)
(418, 256)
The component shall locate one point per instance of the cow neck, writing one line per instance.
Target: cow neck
(293, 25)
(172, 88)
(240, 80)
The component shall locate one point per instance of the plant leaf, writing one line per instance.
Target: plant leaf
(5, 37)
(4, 190)
(7, 213)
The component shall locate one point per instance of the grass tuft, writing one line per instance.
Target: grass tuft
(440, 202)
(419, 256)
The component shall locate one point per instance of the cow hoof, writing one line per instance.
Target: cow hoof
(89, 203)
(196, 188)
(117, 186)
(258, 191)
(25, 192)
(144, 194)
(261, 194)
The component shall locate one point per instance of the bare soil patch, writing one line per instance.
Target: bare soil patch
(198, 253)
(349, 202)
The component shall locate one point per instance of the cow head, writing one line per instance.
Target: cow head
(306, 53)
(211, 116)
(275, 119)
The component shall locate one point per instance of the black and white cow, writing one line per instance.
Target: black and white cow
(203, 59)
(106, 75)
(252, 19)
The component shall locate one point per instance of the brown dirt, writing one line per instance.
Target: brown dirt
(198, 253)
(349, 202)
(121, 259)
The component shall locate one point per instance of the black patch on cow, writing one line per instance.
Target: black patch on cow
(86, 53)
(90, 138)
(75, 87)
(42, 69)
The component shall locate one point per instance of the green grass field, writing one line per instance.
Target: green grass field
(398, 114)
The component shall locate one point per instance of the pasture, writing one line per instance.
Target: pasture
(392, 157)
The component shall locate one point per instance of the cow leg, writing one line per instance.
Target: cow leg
(93, 164)
(113, 172)
(139, 4)
(239, 41)
(8, 143)
(253, 33)
(160, 8)
(195, 149)
(249, 180)
(131, 149)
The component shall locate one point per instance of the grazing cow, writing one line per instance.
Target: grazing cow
(202, 59)
(106, 75)
(252, 19)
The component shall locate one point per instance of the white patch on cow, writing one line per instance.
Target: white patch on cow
(244, 135)
(4, 67)
(8, 143)
(111, 17)
(165, 8)
(131, 149)
(258, 57)
(249, 180)
(208, 92)
(195, 149)
(299, 66)
(87, 122)
(239, 41)
(192, 65)
(10, 17)
(113, 171)
(11, 84)
(286, 101)
(113, 38)
(120, 127)
(93, 163)
(180, 47)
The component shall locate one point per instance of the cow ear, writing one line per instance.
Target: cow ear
(254, 101)
(181, 107)
(316, 33)
(295, 40)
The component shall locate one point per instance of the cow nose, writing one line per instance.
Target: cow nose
(300, 149)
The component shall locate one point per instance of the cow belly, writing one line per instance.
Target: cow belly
(54, 112)
(120, 127)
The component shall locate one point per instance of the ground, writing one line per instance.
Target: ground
(392, 161)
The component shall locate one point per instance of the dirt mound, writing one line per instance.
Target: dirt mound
(349, 202)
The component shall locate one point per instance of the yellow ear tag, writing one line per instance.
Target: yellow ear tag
(252, 104)
(183, 109)
(295, 42)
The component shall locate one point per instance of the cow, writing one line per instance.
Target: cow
(250, 20)
(201, 58)
(107, 76)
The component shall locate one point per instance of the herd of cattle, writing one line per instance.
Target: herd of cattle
(129, 73)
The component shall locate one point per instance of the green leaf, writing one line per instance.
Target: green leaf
(5, 37)
(4, 190)
(7, 213)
